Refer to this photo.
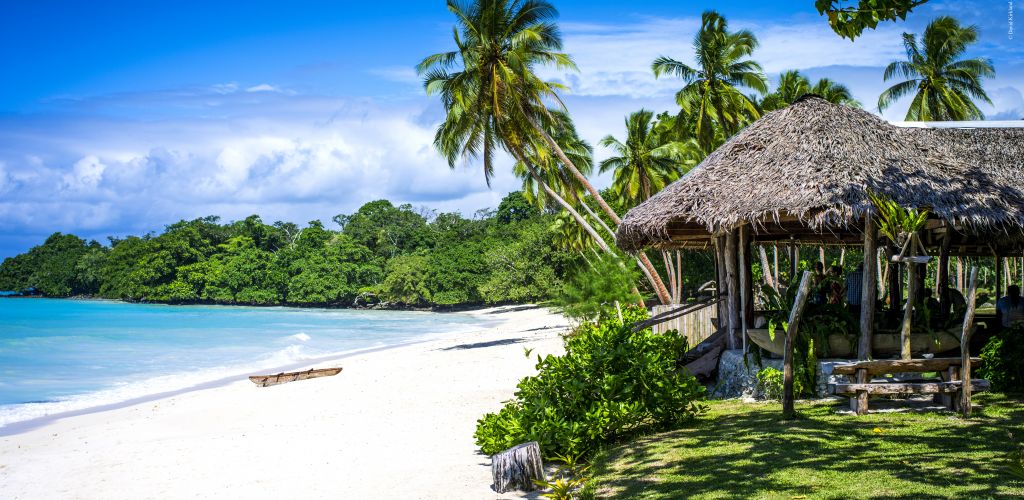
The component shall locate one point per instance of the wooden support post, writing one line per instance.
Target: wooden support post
(788, 398)
(733, 279)
(908, 312)
(748, 268)
(744, 281)
(722, 283)
(869, 290)
(999, 277)
(794, 261)
(775, 268)
(859, 401)
(965, 345)
(942, 278)
(895, 279)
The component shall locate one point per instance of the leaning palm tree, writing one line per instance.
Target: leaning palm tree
(944, 86)
(557, 179)
(494, 100)
(711, 93)
(647, 161)
(793, 85)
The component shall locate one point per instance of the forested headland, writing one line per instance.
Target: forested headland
(381, 253)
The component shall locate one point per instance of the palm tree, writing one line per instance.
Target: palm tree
(494, 100)
(944, 85)
(647, 161)
(793, 85)
(711, 93)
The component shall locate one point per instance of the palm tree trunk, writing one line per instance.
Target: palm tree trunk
(656, 281)
(575, 171)
(671, 272)
(645, 264)
(594, 216)
(572, 211)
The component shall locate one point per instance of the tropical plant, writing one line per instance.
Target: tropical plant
(849, 19)
(647, 160)
(944, 86)
(1003, 360)
(711, 94)
(793, 85)
(611, 382)
(896, 222)
(494, 100)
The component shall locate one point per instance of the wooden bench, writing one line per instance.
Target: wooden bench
(947, 390)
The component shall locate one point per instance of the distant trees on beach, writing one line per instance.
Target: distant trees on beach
(379, 253)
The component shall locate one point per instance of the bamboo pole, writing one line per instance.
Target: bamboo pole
(788, 397)
(965, 345)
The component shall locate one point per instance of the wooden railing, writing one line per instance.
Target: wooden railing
(691, 320)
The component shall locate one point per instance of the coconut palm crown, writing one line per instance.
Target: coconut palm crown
(711, 92)
(944, 86)
(793, 85)
(487, 85)
(647, 160)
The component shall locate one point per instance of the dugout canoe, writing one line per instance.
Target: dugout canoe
(883, 344)
(284, 378)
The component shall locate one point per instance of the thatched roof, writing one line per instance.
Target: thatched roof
(814, 162)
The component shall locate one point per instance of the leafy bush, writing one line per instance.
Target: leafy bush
(1003, 360)
(610, 383)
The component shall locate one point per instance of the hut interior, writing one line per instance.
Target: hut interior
(800, 177)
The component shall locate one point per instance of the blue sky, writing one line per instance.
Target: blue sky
(123, 117)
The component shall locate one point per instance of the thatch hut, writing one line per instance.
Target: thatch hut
(801, 176)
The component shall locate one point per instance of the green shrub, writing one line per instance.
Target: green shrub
(610, 383)
(1003, 360)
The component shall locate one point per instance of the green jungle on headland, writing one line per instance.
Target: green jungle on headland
(380, 255)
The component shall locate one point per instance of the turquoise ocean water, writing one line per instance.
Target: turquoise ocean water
(67, 355)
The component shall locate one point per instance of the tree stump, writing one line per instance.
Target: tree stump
(516, 468)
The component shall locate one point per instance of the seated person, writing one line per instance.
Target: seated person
(958, 305)
(835, 285)
(1010, 309)
(931, 307)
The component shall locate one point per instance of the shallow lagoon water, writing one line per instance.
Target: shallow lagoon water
(64, 355)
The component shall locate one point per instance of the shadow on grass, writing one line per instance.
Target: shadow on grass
(746, 450)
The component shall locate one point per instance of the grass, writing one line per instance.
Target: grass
(745, 450)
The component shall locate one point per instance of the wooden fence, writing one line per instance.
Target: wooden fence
(695, 326)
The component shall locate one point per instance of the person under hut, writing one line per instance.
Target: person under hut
(854, 289)
(1010, 309)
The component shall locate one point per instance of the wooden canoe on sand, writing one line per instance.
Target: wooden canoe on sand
(284, 378)
(882, 344)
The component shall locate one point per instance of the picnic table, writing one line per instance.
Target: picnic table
(862, 384)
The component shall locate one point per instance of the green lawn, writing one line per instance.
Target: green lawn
(745, 450)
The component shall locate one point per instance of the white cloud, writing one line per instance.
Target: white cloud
(263, 87)
(283, 157)
(615, 59)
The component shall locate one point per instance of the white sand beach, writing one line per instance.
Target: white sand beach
(396, 423)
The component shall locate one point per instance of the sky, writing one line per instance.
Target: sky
(119, 118)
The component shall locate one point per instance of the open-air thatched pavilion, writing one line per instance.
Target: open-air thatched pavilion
(801, 176)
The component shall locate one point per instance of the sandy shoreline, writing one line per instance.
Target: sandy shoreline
(396, 423)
